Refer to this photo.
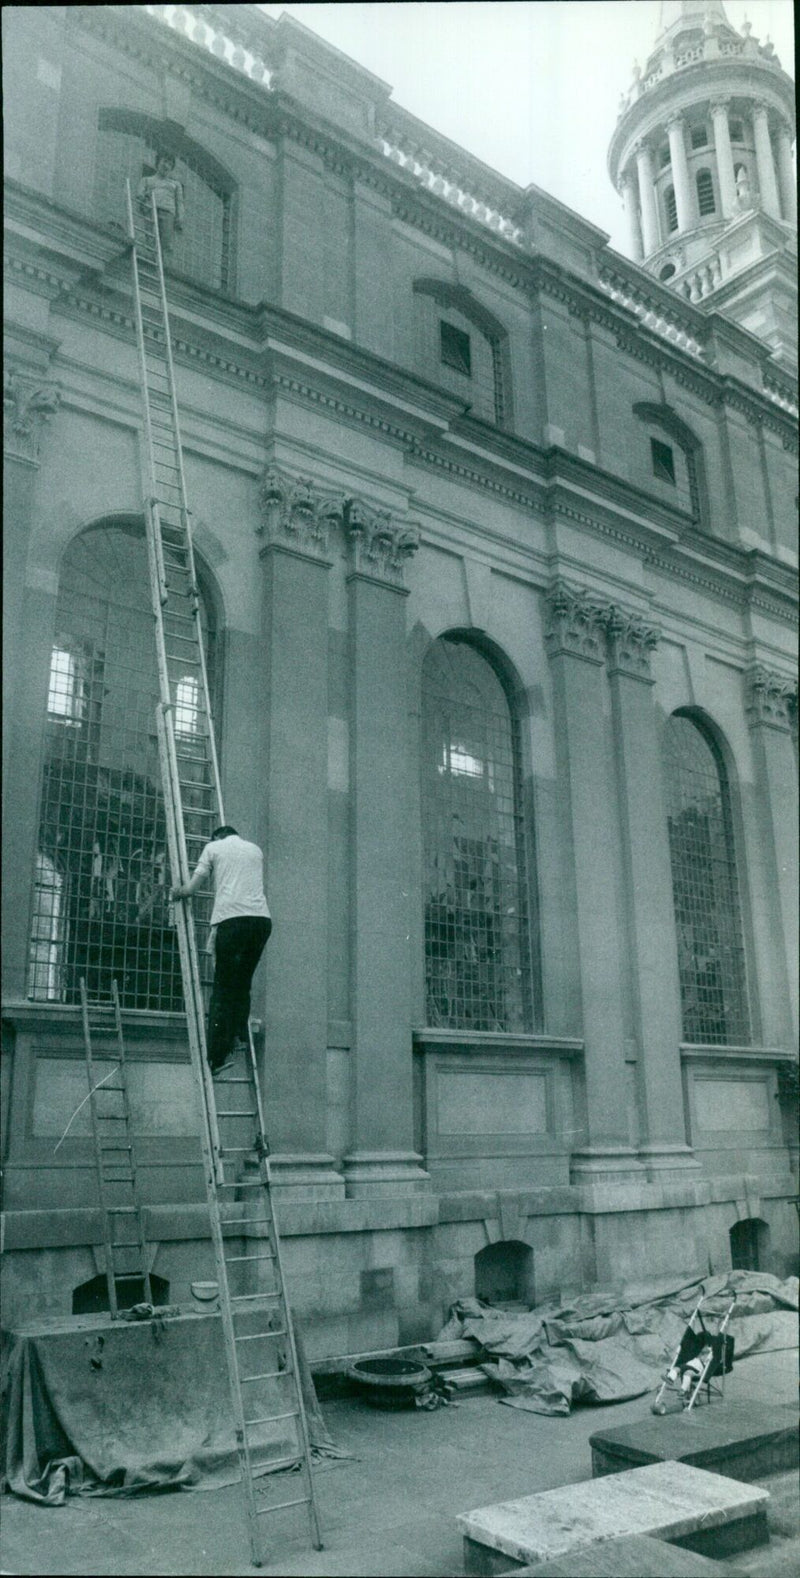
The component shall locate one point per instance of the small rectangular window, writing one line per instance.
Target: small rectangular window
(65, 692)
(699, 137)
(736, 131)
(664, 156)
(455, 348)
(663, 461)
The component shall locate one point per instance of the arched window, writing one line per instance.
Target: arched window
(676, 458)
(461, 345)
(705, 886)
(671, 208)
(100, 893)
(126, 147)
(477, 942)
(705, 193)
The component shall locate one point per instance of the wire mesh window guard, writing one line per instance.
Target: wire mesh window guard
(126, 151)
(477, 950)
(101, 879)
(705, 885)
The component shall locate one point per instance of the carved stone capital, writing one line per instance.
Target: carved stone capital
(719, 106)
(378, 547)
(28, 403)
(630, 643)
(296, 513)
(575, 623)
(770, 699)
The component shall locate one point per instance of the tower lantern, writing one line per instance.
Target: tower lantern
(702, 157)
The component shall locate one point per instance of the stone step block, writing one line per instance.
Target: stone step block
(672, 1501)
(635, 1556)
(744, 1441)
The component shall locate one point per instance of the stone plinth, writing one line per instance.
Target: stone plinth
(742, 1440)
(670, 1501)
(637, 1556)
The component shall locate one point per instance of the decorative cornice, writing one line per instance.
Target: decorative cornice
(28, 403)
(770, 699)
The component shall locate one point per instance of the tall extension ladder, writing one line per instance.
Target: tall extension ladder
(115, 1160)
(256, 1320)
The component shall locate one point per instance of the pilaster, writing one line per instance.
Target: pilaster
(382, 1159)
(630, 197)
(30, 399)
(685, 200)
(650, 926)
(647, 199)
(771, 706)
(724, 152)
(297, 518)
(575, 639)
(786, 176)
(765, 165)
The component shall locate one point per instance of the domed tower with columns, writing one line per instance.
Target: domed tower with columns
(702, 156)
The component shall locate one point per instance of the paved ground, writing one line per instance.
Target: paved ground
(388, 1513)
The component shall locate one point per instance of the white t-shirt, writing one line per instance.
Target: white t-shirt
(238, 869)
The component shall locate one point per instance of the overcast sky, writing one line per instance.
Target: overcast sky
(530, 86)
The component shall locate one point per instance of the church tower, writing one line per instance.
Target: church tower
(702, 156)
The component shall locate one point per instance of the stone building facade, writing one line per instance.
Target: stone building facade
(496, 535)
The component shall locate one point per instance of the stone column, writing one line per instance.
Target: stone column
(297, 518)
(771, 705)
(30, 399)
(381, 1160)
(651, 943)
(630, 195)
(576, 647)
(647, 199)
(786, 175)
(724, 152)
(685, 197)
(765, 164)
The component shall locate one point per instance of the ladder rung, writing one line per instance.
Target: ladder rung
(260, 1336)
(243, 1298)
(266, 1375)
(236, 1112)
(123, 1210)
(229, 1261)
(299, 1501)
(270, 1419)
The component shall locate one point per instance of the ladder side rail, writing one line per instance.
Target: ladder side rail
(289, 1322)
(187, 946)
(170, 366)
(160, 579)
(104, 1205)
(126, 1107)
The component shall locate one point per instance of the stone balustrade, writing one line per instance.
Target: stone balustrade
(225, 43)
(712, 47)
(651, 311)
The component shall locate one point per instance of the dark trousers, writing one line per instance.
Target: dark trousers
(239, 945)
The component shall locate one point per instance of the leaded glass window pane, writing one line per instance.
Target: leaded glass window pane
(711, 960)
(477, 956)
(101, 880)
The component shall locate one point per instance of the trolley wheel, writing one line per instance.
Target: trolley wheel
(658, 1408)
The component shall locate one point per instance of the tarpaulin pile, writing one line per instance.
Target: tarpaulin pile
(99, 1407)
(602, 1348)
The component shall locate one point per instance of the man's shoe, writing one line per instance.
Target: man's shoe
(222, 1068)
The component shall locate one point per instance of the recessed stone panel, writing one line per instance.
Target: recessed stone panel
(489, 1103)
(741, 1104)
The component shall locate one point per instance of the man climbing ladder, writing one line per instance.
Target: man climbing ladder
(265, 1389)
(240, 926)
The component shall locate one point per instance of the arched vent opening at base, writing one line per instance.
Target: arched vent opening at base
(91, 1298)
(504, 1275)
(750, 1245)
